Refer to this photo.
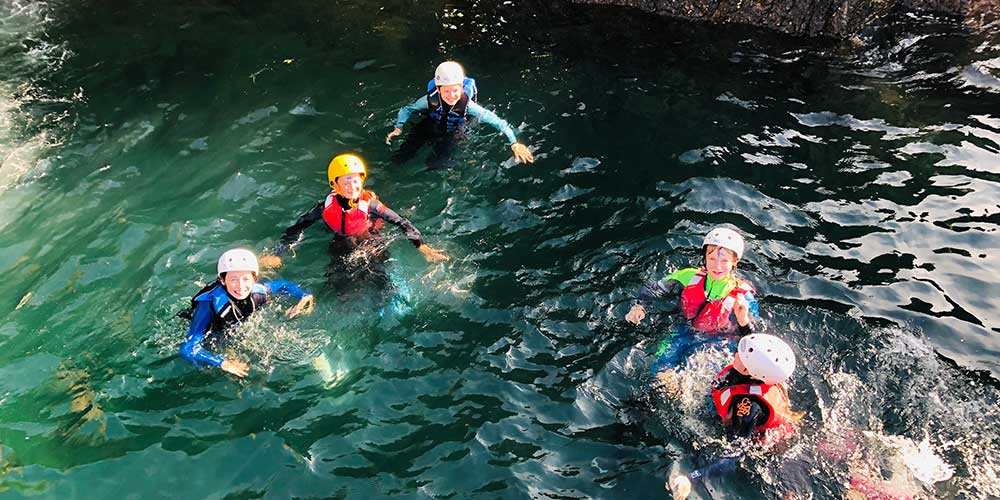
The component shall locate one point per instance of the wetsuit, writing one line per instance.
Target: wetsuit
(214, 311)
(665, 295)
(348, 275)
(444, 140)
(676, 283)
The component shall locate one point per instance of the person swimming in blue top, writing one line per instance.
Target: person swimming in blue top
(227, 302)
(449, 105)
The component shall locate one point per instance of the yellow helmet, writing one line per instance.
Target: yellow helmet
(343, 165)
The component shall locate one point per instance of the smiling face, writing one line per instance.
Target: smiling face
(239, 283)
(349, 186)
(719, 262)
(450, 94)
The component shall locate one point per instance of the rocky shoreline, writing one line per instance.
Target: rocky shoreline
(837, 18)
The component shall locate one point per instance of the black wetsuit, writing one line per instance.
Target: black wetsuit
(347, 273)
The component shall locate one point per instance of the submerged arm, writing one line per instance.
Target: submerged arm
(418, 106)
(192, 349)
(293, 234)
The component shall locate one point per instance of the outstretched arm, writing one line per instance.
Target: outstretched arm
(380, 210)
(653, 293)
(491, 118)
(521, 152)
(385, 213)
(286, 287)
(293, 234)
(418, 106)
(306, 301)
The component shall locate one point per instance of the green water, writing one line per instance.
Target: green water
(140, 140)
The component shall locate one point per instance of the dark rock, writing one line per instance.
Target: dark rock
(839, 18)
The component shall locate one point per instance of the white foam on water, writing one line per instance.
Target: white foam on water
(25, 139)
(268, 339)
(920, 458)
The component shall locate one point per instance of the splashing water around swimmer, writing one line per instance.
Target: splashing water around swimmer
(863, 179)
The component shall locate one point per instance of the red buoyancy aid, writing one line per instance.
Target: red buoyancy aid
(708, 315)
(353, 222)
(776, 400)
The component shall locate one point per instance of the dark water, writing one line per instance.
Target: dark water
(141, 139)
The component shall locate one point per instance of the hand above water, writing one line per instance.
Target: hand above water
(680, 486)
(305, 306)
(394, 133)
(432, 254)
(238, 368)
(636, 314)
(742, 310)
(521, 152)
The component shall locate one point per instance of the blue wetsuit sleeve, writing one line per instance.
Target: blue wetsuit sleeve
(286, 287)
(418, 106)
(754, 305)
(754, 315)
(491, 118)
(191, 349)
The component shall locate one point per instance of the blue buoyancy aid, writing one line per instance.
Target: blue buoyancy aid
(446, 117)
(226, 311)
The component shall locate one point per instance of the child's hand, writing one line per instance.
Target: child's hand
(238, 368)
(269, 261)
(522, 153)
(305, 306)
(680, 486)
(636, 314)
(668, 384)
(742, 310)
(394, 133)
(432, 254)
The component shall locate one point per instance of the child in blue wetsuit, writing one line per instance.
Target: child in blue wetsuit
(449, 104)
(712, 299)
(227, 302)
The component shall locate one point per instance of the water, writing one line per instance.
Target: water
(140, 140)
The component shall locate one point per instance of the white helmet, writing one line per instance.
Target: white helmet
(767, 358)
(238, 259)
(449, 73)
(725, 238)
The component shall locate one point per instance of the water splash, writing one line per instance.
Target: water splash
(27, 136)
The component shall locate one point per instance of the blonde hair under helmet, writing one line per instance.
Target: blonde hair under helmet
(767, 358)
